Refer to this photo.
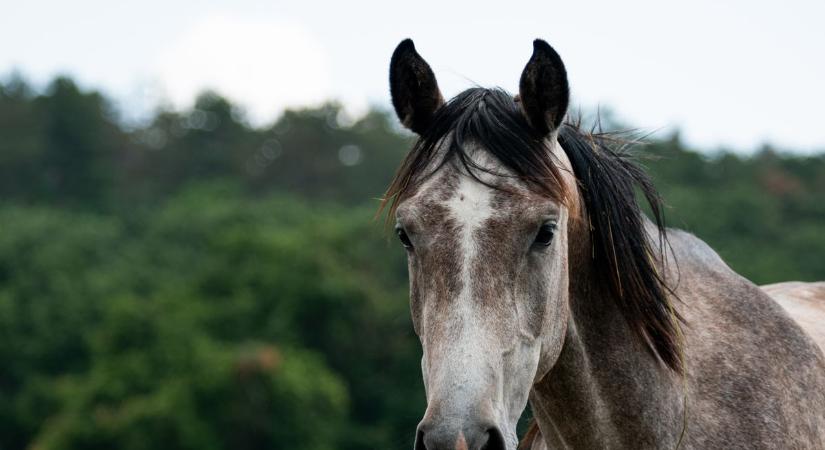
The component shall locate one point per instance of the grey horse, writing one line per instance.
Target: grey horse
(535, 276)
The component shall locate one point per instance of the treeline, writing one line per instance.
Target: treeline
(197, 283)
(67, 148)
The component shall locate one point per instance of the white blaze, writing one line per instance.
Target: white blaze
(470, 206)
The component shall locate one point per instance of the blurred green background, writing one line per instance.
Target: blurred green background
(196, 283)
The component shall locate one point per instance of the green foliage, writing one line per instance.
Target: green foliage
(217, 321)
(196, 283)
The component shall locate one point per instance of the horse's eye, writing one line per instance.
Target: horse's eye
(402, 236)
(545, 234)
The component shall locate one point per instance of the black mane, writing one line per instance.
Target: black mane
(489, 117)
(623, 256)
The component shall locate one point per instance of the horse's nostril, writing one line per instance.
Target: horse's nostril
(495, 440)
(419, 441)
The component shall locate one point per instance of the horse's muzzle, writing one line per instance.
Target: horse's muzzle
(433, 436)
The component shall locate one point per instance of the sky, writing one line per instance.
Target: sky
(727, 74)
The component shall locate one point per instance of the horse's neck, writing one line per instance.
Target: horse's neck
(606, 390)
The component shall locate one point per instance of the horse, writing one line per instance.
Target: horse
(535, 276)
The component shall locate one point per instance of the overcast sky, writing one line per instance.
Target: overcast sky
(727, 73)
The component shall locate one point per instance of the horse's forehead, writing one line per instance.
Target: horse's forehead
(491, 191)
(447, 180)
(454, 196)
(471, 203)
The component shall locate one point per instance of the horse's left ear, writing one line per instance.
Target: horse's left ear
(543, 89)
(414, 90)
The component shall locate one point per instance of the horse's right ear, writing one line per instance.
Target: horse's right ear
(543, 89)
(414, 91)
